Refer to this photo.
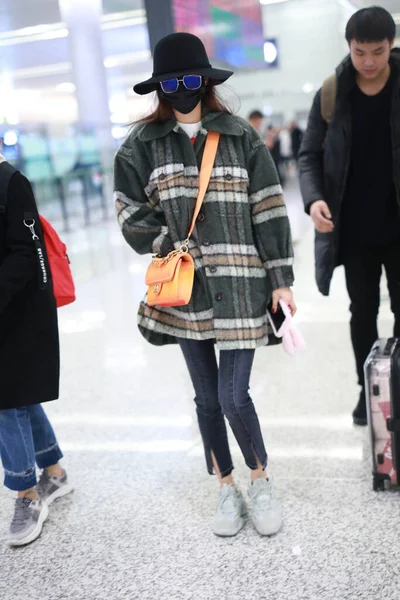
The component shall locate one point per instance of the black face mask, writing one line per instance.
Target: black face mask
(183, 100)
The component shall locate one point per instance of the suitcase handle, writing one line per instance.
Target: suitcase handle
(389, 346)
(393, 425)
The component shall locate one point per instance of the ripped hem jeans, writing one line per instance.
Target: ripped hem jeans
(224, 391)
(26, 439)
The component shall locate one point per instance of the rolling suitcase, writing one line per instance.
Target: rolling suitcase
(382, 376)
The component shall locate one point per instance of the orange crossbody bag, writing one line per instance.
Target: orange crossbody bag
(170, 278)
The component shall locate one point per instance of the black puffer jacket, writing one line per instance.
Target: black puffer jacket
(324, 170)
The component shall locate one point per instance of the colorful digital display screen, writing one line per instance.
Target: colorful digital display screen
(231, 30)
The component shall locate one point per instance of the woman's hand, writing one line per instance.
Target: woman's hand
(286, 295)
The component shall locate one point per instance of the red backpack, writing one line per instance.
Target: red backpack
(63, 283)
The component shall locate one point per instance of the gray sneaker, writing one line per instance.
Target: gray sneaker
(51, 488)
(267, 513)
(228, 520)
(28, 520)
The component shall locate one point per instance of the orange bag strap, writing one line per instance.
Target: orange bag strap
(210, 152)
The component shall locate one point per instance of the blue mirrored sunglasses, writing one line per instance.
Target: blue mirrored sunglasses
(191, 82)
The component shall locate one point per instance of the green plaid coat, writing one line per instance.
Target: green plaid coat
(242, 244)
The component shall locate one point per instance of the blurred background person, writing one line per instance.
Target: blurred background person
(274, 146)
(296, 136)
(256, 120)
(285, 142)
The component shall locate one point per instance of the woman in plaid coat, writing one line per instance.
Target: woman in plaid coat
(241, 247)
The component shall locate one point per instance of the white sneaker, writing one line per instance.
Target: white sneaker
(27, 523)
(228, 520)
(267, 512)
(52, 488)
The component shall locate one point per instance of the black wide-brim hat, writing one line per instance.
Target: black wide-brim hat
(180, 54)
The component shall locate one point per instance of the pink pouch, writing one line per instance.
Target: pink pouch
(292, 339)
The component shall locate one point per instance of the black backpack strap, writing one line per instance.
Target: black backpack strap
(7, 171)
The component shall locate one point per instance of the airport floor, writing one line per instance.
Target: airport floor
(138, 526)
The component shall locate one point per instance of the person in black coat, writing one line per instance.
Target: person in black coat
(296, 135)
(29, 362)
(350, 179)
(274, 146)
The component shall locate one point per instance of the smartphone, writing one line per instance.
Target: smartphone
(276, 319)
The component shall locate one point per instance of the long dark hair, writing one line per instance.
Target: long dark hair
(211, 102)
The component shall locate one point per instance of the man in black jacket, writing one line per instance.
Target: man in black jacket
(350, 178)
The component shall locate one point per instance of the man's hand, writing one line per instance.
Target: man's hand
(322, 217)
(286, 295)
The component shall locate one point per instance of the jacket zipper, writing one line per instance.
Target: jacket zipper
(346, 174)
(396, 187)
(347, 165)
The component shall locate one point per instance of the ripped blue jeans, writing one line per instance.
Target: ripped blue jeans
(26, 439)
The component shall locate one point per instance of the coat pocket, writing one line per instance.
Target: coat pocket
(171, 182)
(229, 184)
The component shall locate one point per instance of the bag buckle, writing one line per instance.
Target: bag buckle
(31, 228)
(185, 246)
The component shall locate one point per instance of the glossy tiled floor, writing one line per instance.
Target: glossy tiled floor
(139, 523)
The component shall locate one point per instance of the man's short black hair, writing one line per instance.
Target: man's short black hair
(255, 114)
(373, 24)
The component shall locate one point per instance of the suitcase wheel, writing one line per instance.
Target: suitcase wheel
(378, 484)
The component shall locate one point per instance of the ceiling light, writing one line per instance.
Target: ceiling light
(117, 102)
(42, 71)
(308, 88)
(31, 31)
(119, 118)
(36, 37)
(120, 60)
(124, 15)
(120, 133)
(54, 31)
(68, 87)
(10, 138)
(66, 68)
(270, 52)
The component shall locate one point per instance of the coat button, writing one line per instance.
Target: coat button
(206, 243)
(228, 176)
(218, 297)
(213, 269)
(201, 217)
